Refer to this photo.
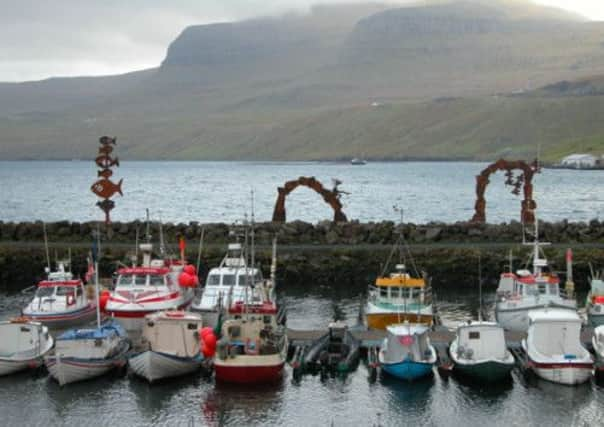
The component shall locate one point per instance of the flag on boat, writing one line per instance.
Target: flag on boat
(90, 272)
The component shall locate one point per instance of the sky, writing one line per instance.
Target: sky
(42, 39)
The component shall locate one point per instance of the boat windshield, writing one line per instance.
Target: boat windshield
(228, 280)
(250, 279)
(213, 280)
(65, 290)
(45, 291)
(140, 279)
(125, 280)
(156, 280)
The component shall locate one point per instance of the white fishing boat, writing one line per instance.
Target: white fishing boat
(358, 161)
(60, 301)
(519, 293)
(230, 282)
(594, 304)
(23, 344)
(406, 352)
(553, 347)
(156, 285)
(171, 342)
(479, 351)
(82, 354)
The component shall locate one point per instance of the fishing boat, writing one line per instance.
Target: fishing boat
(230, 282)
(553, 346)
(519, 293)
(82, 354)
(336, 351)
(156, 285)
(479, 351)
(60, 301)
(594, 304)
(253, 347)
(598, 344)
(397, 298)
(171, 346)
(406, 352)
(358, 161)
(23, 344)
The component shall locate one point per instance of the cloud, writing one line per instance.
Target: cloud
(41, 39)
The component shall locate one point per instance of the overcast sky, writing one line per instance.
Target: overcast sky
(45, 38)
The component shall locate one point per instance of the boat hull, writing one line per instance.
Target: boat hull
(489, 371)
(133, 320)
(8, 367)
(408, 369)
(248, 374)
(154, 366)
(65, 320)
(563, 373)
(68, 370)
(382, 320)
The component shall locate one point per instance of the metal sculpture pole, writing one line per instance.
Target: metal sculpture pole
(104, 187)
(331, 197)
(524, 180)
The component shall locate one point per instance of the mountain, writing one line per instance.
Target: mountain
(463, 79)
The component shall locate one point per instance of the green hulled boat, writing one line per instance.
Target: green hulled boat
(479, 351)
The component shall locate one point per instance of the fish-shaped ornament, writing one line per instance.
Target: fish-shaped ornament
(106, 206)
(105, 173)
(105, 188)
(105, 149)
(106, 140)
(106, 161)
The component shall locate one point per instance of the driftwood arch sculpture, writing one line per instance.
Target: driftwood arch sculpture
(524, 180)
(331, 197)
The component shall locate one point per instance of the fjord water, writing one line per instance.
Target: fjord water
(219, 192)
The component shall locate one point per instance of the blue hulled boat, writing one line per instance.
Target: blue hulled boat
(406, 352)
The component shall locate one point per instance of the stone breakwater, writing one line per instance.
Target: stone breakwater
(313, 255)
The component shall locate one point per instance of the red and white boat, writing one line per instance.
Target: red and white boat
(60, 301)
(154, 286)
(253, 347)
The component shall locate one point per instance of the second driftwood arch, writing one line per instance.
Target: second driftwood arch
(331, 197)
(524, 180)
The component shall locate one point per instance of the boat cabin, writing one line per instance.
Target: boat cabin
(597, 289)
(172, 332)
(556, 332)
(407, 341)
(400, 289)
(524, 283)
(59, 292)
(480, 341)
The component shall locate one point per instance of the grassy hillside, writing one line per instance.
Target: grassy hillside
(303, 86)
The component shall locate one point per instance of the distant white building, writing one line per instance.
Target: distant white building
(580, 161)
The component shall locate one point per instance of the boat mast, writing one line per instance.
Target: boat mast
(46, 247)
(148, 232)
(96, 256)
(252, 238)
(479, 289)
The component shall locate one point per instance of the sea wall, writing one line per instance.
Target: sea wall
(320, 255)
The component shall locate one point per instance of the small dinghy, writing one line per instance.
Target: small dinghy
(23, 344)
(81, 354)
(406, 352)
(172, 346)
(553, 347)
(479, 351)
(336, 351)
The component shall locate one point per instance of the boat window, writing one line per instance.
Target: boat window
(45, 292)
(79, 291)
(140, 279)
(532, 290)
(405, 293)
(542, 288)
(228, 280)
(474, 335)
(267, 319)
(258, 277)
(64, 290)
(213, 280)
(384, 292)
(553, 289)
(124, 280)
(156, 280)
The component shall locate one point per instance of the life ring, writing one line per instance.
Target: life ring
(175, 314)
(252, 351)
(71, 299)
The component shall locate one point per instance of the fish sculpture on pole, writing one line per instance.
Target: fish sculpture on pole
(104, 187)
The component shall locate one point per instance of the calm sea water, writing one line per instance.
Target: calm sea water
(218, 191)
(221, 191)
